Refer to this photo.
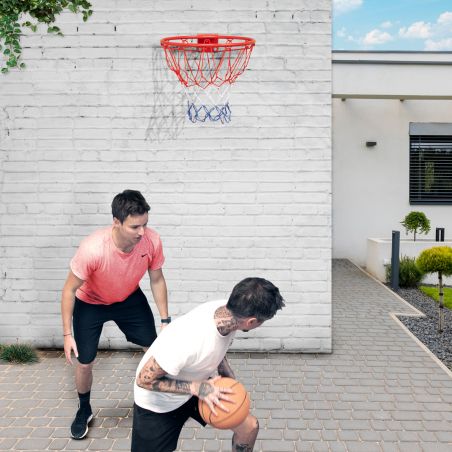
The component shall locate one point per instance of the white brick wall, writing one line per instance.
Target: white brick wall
(97, 111)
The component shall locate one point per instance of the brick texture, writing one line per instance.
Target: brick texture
(97, 111)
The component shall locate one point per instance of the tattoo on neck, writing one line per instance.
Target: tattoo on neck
(224, 320)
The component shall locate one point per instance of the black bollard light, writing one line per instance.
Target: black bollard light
(439, 235)
(395, 259)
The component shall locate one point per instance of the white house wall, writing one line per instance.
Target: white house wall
(97, 111)
(371, 184)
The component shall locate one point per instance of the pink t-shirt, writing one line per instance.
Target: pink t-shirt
(109, 274)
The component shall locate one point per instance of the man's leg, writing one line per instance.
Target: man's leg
(83, 377)
(83, 383)
(134, 318)
(88, 321)
(156, 432)
(245, 435)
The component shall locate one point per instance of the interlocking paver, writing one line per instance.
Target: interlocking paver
(379, 390)
(7, 444)
(33, 444)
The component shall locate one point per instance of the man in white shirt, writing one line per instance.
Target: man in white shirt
(181, 365)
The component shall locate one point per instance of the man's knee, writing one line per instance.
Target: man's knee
(249, 425)
(85, 368)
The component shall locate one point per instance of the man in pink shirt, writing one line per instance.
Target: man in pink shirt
(103, 285)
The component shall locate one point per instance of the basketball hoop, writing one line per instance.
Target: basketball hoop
(207, 65)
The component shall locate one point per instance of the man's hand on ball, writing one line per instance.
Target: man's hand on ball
(213, 395)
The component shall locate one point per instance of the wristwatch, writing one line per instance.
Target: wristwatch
(167, 320)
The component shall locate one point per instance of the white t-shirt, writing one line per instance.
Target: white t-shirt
(189, 349)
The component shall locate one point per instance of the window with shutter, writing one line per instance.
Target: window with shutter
(430, 169)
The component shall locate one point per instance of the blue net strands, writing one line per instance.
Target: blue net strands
(203, 113)
(207, 65)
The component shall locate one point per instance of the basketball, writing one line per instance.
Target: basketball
(238, 408)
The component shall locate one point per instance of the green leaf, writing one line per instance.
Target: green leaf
(44, 11)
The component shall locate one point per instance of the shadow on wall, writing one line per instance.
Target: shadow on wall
(3, 125)
(167, 118)
(4, 133)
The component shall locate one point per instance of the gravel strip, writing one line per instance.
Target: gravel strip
(426, 328)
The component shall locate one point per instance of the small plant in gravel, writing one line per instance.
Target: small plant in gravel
(18, 353)
(416, 222)
(410, 275)
(437, 260)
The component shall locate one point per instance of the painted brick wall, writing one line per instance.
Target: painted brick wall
(97, 111)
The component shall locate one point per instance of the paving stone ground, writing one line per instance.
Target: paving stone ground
(378, 391)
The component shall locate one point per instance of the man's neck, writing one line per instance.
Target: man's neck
(117, 242)
(225, 321)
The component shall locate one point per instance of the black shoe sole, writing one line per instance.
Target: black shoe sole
(86, 431)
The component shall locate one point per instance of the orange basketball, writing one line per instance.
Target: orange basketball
(238, 408)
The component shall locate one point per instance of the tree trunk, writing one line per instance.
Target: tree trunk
(441, 303)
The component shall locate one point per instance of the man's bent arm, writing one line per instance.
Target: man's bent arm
(159, 291)
(153, 378)
(224, 369)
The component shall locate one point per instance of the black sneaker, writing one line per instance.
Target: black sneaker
(79, 427)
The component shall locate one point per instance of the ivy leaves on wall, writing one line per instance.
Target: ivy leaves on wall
(40, 11)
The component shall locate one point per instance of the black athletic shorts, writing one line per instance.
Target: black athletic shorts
(133, 317)
(159, 432)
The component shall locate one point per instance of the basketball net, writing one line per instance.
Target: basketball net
(207, 65)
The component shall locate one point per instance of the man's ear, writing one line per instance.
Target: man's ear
(252, 322)
(116, 222)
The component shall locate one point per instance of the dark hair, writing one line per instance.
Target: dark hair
(255, 297)
(129, 202)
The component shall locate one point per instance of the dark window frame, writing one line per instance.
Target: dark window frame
(430, 175)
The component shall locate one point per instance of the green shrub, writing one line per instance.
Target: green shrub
(18, 353)
(416, 222)
(437, 259)
(409, 273)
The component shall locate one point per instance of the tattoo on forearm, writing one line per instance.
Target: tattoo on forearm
(183, 386)
(153, 377)
(165, 384)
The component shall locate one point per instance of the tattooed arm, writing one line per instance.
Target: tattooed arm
(153, 378)
(224, 369)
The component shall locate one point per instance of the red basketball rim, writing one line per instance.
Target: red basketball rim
(206, 41)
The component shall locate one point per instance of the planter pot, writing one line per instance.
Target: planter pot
(379, 255)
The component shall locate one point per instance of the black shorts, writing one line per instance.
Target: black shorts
(133, 317)
(159, 432)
